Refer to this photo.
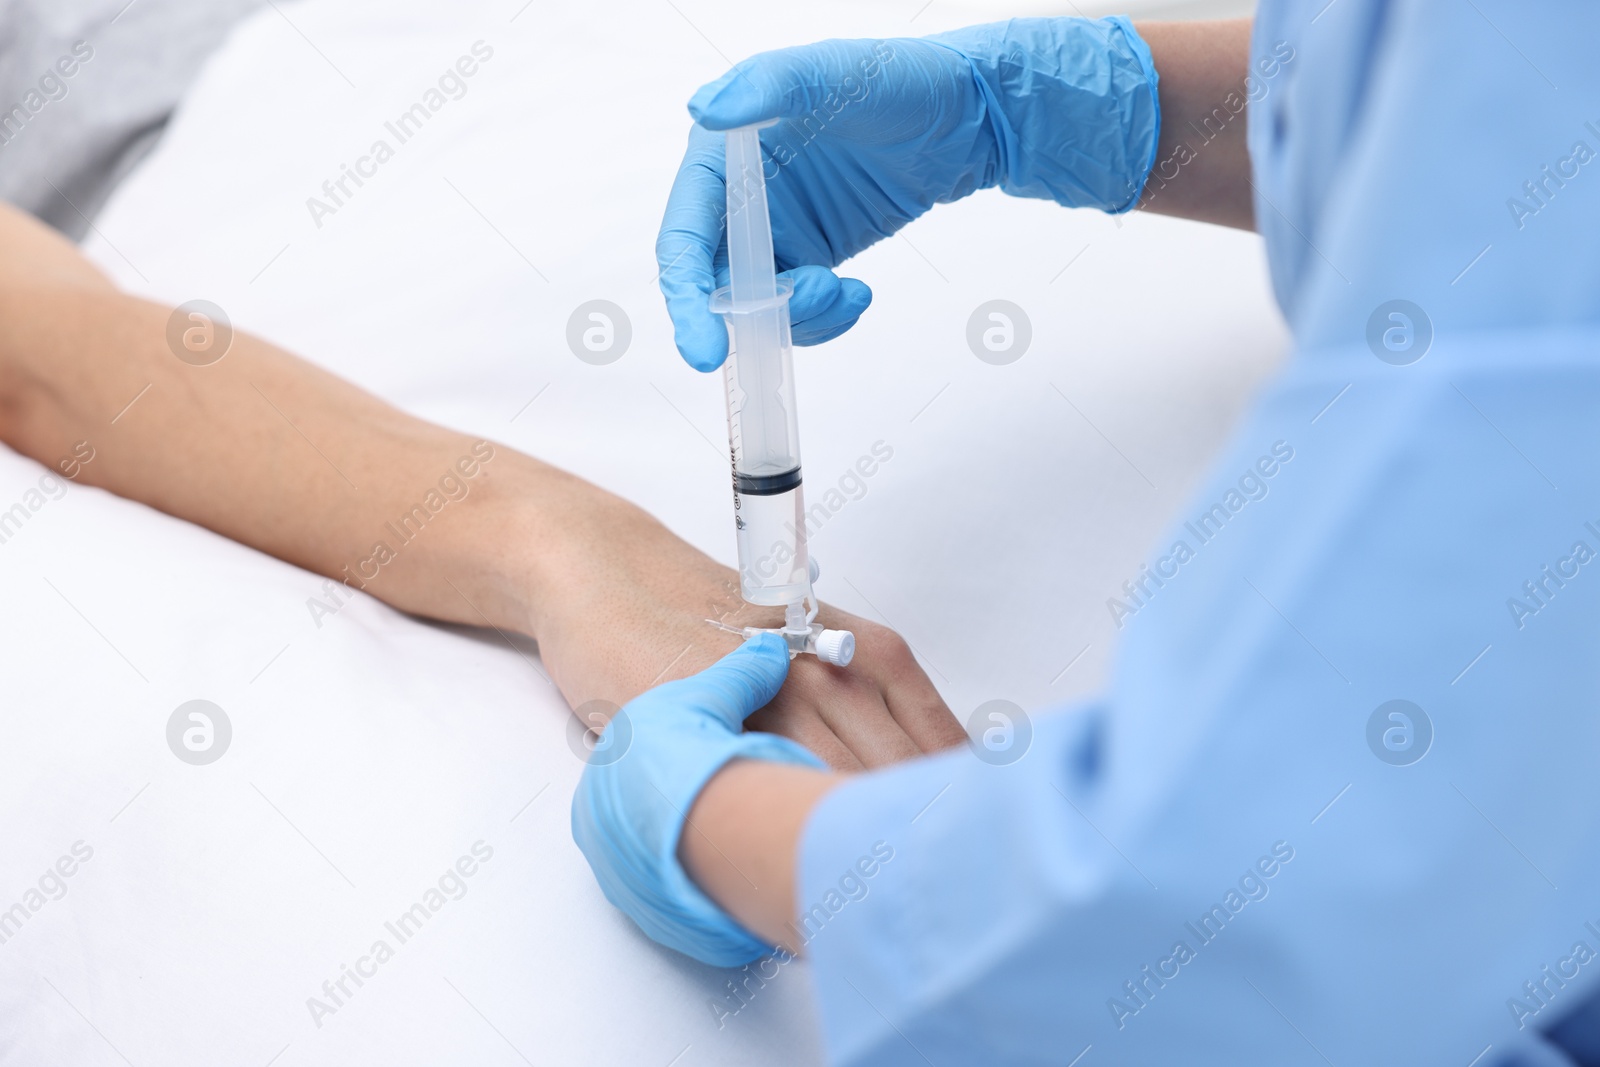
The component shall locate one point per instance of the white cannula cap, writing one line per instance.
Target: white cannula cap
(837, 647)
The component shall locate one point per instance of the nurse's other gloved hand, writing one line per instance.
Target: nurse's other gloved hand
(651, 763)
(874, 133)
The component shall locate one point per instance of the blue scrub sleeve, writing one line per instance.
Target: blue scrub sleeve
(1241, 843)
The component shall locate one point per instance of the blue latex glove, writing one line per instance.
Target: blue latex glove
(880, 131)
(659, 752)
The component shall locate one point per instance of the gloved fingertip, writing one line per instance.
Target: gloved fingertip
(816, 289)
(702, 340)
(768, 645)
(855, 294)
(700, 102)
(730, 101)
(703, 358)
(825, 305)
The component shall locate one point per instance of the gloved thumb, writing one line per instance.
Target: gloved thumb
(785, 83)
(745, 680)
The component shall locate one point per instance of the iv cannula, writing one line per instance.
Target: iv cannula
(775, 568)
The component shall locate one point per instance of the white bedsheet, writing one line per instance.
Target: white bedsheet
(371, 752)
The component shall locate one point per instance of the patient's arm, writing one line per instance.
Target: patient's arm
(280, 455)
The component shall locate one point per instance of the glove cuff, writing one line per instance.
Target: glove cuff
(1073, 106)
(715, 937)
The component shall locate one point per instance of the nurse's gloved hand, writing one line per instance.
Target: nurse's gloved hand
(875, 133)
(649, 766)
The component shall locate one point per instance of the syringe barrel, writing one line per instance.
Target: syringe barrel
(764, 443)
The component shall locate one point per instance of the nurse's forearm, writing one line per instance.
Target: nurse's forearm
(742, 842)
(1202, 165)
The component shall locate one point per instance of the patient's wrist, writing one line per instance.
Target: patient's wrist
(557, 533)
(488, 542)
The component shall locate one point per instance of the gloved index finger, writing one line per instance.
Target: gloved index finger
(686, 252)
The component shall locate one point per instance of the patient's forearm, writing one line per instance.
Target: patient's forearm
(274, 452)
(1202, 164)
(270, 450)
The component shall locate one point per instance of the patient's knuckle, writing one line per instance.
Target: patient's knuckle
(890, 651)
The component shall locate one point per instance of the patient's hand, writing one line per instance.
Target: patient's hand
(626, 610)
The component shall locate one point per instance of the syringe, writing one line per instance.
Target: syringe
(775, 569)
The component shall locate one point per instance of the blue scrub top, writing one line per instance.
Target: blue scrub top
(1341, 803)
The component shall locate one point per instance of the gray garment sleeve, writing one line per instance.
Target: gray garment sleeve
(86, 87)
